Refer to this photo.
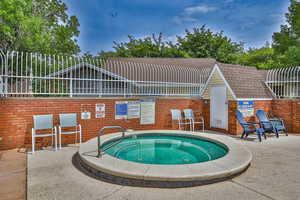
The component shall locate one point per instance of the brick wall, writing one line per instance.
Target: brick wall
(16, 117)
(289, 111)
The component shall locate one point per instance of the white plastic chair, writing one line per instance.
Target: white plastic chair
(43, 122)
(176, 115)
(189, 115)
(69, 121)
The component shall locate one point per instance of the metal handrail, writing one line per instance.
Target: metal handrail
(101, 132)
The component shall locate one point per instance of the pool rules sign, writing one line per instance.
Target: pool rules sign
(246, 108)
(147, 111)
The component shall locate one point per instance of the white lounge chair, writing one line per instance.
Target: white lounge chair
(176, 115)
(69, 121)
(189, 116)
(43, 122)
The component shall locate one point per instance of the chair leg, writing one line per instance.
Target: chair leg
(76, 132)
(242, 136)
(277, 134)
(259, 136)
(52, 135)
(59, 135)
(179, 126)
(32, 140)
(55, 135)
(80, 136)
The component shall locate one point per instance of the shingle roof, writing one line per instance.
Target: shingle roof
(245, 81)
(179, 62)
(181, 70)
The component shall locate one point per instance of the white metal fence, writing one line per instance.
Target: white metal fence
(33, 74)
(284, 82)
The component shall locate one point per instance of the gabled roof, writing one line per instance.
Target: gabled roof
(87, 65)
(179, 70)
(177, 62)
(246, 82)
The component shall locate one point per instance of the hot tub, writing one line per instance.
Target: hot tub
(164, 149)
(164, 158)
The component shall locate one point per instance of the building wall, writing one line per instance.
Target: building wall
(289, 111)
(216, 80)
(16, 117)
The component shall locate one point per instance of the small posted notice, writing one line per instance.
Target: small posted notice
(121, 110)
(85, 115)
(246, 108)
(133, 109)
(100, 110)
(86, 110)
(147, 111)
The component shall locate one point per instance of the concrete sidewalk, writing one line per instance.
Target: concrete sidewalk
(274, 174)
(13, 172)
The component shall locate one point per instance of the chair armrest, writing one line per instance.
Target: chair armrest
(262, 123)
(278, 120)
(250, 124)
(274, 120)
(253, 122)
(265, 122)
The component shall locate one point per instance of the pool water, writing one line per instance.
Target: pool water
(164, 149)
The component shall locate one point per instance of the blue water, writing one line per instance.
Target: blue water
(164, 149)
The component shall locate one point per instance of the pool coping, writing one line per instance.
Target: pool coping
(234, 162)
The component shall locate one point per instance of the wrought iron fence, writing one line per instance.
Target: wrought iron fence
(33, 74)
(284, 82)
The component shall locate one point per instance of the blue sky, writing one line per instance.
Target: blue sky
(105, 21)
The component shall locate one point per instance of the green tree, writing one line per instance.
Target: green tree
(286, 43)
(262, 58)
(38, 26)
(203, 43)
(153, 46)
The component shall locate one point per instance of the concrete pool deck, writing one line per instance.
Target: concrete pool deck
(234, 162)
(274, 174)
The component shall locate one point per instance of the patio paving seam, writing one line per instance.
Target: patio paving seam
(251, 189)
(112, 193)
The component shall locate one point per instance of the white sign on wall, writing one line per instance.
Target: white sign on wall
(100, 110)
(147, 111)
(86, 110)
(85, 115)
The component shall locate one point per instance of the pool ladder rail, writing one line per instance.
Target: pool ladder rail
(101, 131)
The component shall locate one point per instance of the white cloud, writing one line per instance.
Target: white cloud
(199, 9)
(187, 17)
(184, 19)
